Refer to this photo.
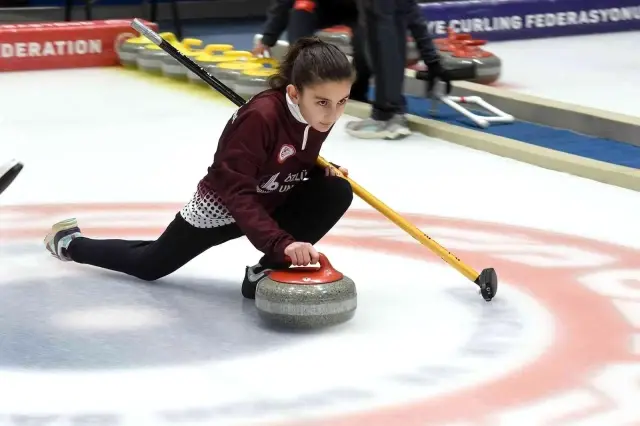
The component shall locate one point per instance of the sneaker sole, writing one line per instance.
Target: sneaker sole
(379, 135)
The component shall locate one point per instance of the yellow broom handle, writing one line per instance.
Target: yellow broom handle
(416, 233)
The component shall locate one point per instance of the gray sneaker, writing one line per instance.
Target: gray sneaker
(58, 239)
(252, 277)
(396, 128)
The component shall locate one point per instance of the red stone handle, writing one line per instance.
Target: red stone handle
(325, 274)
(323, 261)
(473, 42)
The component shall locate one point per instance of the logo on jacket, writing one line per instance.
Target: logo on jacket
(269, 184)
(285, 152)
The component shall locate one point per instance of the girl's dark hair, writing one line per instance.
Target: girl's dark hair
(310, 61)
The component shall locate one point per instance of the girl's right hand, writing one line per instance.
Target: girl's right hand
(302, 254)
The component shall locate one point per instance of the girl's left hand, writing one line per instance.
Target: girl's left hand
(331, 171)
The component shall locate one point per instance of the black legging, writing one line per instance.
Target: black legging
(312, 209)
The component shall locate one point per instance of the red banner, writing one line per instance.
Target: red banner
(51, 45)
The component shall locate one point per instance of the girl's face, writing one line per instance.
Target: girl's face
(322, 104)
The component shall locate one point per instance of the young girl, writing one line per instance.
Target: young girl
(264, 182)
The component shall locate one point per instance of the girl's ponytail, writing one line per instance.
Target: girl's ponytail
(309, 61)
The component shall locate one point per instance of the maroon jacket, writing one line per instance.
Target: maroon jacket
(265, 149)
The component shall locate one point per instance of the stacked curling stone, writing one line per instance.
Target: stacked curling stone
(149, 59)
(253, 81)
(306, 298)
(152, 58)
(339, 36)
(129, 49)
(208, 59)
(229, 71)
(171, 68)
(457, 49)
(239, 70)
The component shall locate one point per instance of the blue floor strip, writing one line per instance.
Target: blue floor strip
(607, 150)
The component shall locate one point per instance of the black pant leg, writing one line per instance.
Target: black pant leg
(385, 35)
(312, 209)
(301, 24)
(402, 26)
(326, 14)
(360, 88)
(151, 260)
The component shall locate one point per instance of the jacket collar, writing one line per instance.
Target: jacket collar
(295, 112)
(294, 109)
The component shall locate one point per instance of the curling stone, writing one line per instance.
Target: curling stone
(217, 48)
(462, 48)
(339, 36)
(228, 72)
(306, 297)
(251, 82)
(488, 65)
(149, 59)
(172, 68)
(208, 63)
(452, 38)
(128, 49)
(267, 62)
(239, 54)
